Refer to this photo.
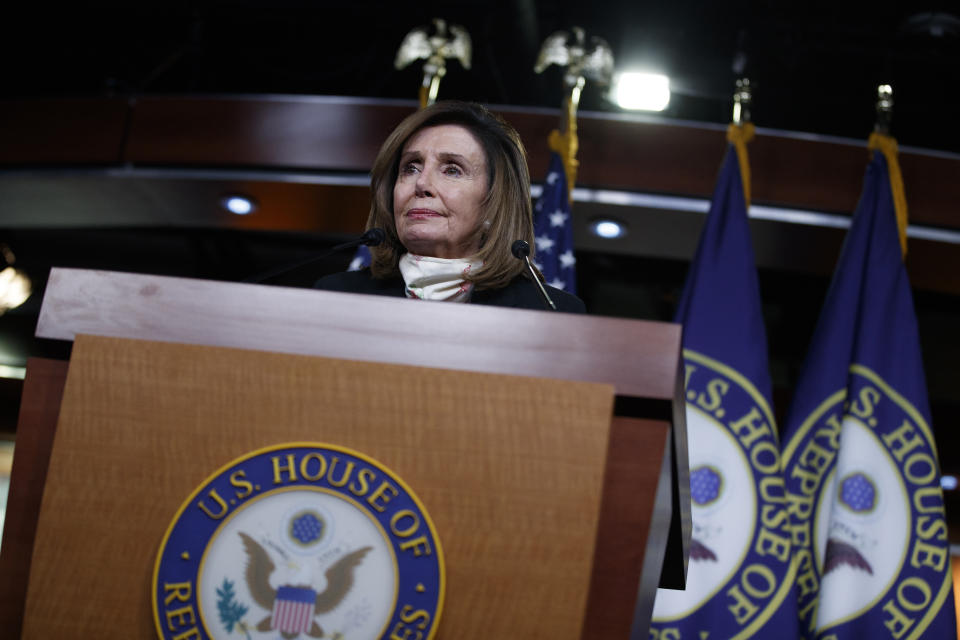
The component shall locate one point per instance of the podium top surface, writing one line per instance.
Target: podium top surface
(639, 358)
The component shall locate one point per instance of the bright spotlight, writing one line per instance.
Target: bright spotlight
(948, 482)
(14, 288)
(642, 91)
(608, 229)
(240, 205)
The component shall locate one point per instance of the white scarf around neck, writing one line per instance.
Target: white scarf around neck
(428, 278)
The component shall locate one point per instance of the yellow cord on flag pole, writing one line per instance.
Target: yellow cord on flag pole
(739, 135)
(887, 145)
(565, 143)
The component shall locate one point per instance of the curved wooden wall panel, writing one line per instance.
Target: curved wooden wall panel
(306, 133)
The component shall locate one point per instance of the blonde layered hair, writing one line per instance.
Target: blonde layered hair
(506, 206)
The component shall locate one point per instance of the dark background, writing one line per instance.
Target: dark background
(816, 65)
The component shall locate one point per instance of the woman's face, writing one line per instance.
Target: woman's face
(441, 183)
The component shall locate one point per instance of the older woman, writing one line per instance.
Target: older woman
(451, 189)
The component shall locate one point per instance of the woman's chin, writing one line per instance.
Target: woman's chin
(424, 245)
(422, 242)
(418, 247)
(432, 250)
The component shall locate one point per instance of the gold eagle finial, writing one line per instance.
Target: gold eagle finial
(419, 44)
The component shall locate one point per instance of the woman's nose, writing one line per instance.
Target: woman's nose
(423, 186)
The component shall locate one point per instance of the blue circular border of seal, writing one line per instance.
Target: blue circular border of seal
(186, 540)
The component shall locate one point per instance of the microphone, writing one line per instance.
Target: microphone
(521, 251)
(371, 237)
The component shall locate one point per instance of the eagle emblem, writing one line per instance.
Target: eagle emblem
(839, 553)
(700, 551)
(571, 51)
(859, 494)
(293, 607)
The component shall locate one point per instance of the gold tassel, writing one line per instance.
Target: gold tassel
(888, 147)
(566, 145)
(739, 136)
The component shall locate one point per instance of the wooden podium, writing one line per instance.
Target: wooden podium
(549, 449)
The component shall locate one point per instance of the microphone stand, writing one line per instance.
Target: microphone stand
(521, 251)
(370, 237)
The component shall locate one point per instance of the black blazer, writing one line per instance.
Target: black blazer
(521, 293)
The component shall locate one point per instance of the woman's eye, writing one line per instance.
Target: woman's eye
(452, 170)
(409, 168)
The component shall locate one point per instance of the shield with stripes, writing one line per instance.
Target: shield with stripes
(293, 609)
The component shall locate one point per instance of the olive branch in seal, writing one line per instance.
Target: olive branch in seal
(230, 610)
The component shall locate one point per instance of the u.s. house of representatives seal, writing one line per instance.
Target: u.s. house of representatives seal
(872, 537)
(740, 569)
(300, 540)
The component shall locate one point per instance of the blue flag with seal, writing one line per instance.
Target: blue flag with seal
(553, 230)
(860, 462)
(740, 574)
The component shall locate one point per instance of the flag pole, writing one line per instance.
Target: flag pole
(881, 140)
(553, 213)
(741, 131)
(564, 139)
(579, 62)
(742, 101)
(884, 107)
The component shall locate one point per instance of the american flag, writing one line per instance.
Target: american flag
(293, 609)
(553, 230)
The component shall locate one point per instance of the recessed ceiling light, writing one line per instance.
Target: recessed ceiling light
(240, 205)
(607, 228)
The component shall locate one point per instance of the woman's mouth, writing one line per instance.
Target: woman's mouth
(422, 214)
